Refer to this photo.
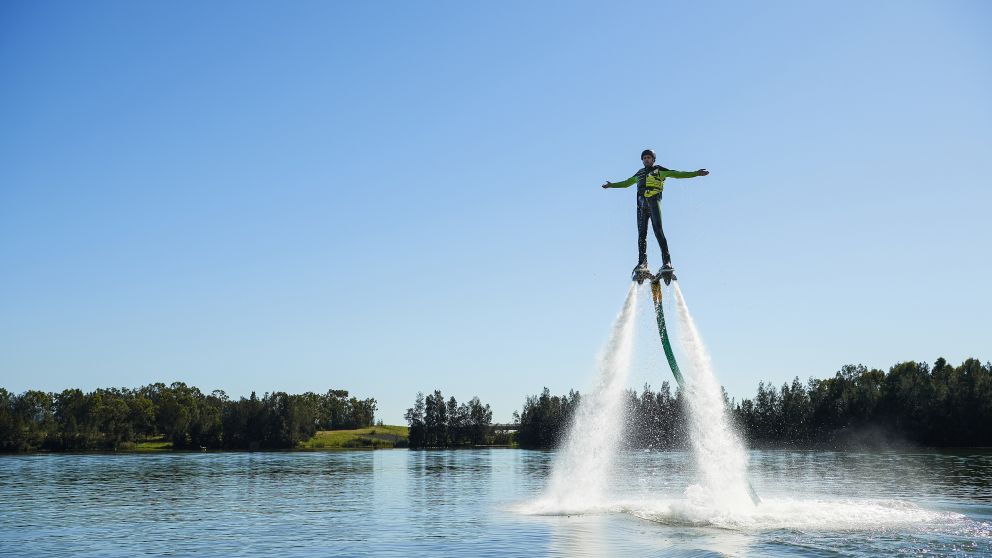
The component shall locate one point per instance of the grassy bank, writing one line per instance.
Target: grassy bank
(372, 437)
(377, 437)
(158, 443)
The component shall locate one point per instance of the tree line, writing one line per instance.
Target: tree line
(118, 418)
(912, 403)
(653, 419)
(939, 405)
(436, 423)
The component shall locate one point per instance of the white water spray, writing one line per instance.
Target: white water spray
(581, 471)
(583, 466)
(720, 457)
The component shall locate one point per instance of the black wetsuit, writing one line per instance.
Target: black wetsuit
(650, 208)
(650, 183)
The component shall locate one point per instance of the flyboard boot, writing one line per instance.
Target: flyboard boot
(640, 273)
(667, 273)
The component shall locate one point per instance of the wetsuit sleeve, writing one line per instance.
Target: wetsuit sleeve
(625, 184)
(678, 174)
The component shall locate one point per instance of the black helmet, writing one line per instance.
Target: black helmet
(648, 152)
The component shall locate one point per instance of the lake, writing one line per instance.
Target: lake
(480, 503)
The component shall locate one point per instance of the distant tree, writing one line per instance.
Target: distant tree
(288, 421)
(112, 418)
(256, 421)
(478, 421)
(415, 420)
(795, 415)
(907, 394)
(945, 406)
(435, 423)
(207, 427)
(456, 422)
(436, 420)
(362, 412)
(545, 418)
(912, 402)
(74, 422)
(8, 429)
(33, 420)
(654, 419)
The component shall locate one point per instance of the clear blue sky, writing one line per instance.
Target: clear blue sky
(392, 197)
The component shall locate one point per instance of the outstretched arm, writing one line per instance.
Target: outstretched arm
(683, 174)
(624, 184)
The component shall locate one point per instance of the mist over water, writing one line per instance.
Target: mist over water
(583, 467)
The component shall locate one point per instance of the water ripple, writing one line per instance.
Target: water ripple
(469, 503)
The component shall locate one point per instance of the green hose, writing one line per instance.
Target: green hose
(659, 313)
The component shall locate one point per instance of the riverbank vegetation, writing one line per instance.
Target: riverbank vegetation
(176, 416)
(436, 423)
(911, 404)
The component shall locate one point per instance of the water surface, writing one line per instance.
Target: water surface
(482, 503)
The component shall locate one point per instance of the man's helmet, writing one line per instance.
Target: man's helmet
(648, 152)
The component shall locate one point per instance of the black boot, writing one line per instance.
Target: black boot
(667, 273)
(640, 272)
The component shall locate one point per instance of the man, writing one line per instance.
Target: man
(650, 183)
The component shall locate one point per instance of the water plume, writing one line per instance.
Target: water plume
(583, 466)
(720, 458)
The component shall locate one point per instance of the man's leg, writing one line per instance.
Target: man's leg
(642, 229)
(654, 204)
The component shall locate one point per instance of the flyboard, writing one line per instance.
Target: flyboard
(667, 275)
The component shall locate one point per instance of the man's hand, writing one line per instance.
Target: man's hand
(606, 184)
(703, 172)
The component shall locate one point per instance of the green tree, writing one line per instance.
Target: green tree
(8, 430)
(479, 421)
(34, 420)
(436, 420)
(112, 418)
(544, 419)
(74, 420)
(457, 419)
(414, 416)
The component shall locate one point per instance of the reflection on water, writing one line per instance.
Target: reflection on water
(475, 503)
